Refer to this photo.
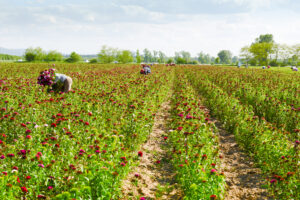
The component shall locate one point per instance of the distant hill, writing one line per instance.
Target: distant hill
(15, 52)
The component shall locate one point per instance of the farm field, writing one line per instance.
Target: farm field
(87, 143)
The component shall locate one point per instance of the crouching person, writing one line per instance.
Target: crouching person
(54, 81)
(62, 83)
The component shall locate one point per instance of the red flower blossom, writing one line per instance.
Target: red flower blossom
(140, 154)
(24, 189)
(53, 125)
(179, 128)
(28, 177)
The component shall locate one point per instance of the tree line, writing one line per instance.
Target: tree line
(9, 57)
(115, 55)
(265, 51)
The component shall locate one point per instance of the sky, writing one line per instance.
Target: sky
(84, 26)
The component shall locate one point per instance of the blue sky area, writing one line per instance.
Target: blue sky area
(170, 25)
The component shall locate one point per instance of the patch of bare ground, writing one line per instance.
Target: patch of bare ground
(244, 181)
(154, 177)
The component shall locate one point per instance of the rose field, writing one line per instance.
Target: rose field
(85, 144)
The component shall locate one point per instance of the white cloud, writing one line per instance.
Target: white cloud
(84, 28)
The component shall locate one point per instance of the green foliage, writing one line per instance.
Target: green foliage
(74, 57)
(124, 56)
(170, 60)
(108, 54)
(267, 38)
(217, 60)
(225, 56)
(182, 57)
(94, 60)
(9, 57)
(162, 57)
(261, 52)
(54, 56)
(34, 54)
(138, 57)
(204, 58)
(147, 56)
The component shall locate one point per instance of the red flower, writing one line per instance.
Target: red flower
(140, 154)
(28, 131)
(158, 162)
(179, 128)
(24, 189)
(28, 177)
(53, 125)
(213, 196)
(86, 123)
(40, 196)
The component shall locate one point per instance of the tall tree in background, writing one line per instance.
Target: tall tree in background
(53, 56)
(162, 57)
(108, 54)
(262, 48)
(147, 56)
(204, 58)
(182, 57)
(296, 54)
(245, 54)
(138, 57)
(225, 56)
(74, 57)
(34, 54)
(124, 56)
(267, 38)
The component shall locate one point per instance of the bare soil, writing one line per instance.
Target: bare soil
(244, 181)
(150, 179)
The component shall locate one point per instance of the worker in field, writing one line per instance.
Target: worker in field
(62, 83)
(55, 81)
(145, 69)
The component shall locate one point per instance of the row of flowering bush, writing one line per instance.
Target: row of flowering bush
(193, 145)
(76, 145)
(273, 152)
(273, 96)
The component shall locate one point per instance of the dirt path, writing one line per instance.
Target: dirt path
(154, 178)
(244, 181)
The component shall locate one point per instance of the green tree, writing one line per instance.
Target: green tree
(261, 52)
(225, 56)
(147, 56)
(162, 57)
(182, 57)
(74, 57)
(245, 54)
(296, 54)
(267, 38)
(108, 54)
(34, 54)
(217, 60)
(138, 57)
(53, 56)
(125, 56)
